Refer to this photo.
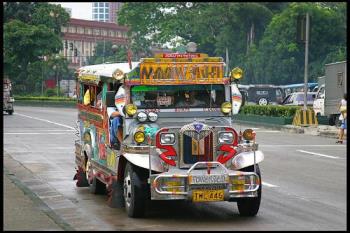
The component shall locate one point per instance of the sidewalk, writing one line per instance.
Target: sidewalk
(23, 212)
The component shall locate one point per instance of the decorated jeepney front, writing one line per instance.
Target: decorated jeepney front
(178, 140)
(179, 113)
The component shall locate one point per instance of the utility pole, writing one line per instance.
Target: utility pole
(306, 59)
(227, 63)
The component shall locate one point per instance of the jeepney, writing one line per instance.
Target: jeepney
(8, 99)
(173, 148)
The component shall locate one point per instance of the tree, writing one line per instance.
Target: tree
(31, 31)
(280, 60)
(105, 52)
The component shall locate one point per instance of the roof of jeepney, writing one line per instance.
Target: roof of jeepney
(107, 69)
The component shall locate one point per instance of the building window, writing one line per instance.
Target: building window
(88, 31)
(80, 30)
(95, 16)
(106, 4)
(101, 16)
(97, 32)
(72, 29)
(101, 4)
(111, 33)
(107, 16)
(95, 10)
(95, 4)
(101, 10)
(63, 29)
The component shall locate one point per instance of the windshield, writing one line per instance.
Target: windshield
(178, 96)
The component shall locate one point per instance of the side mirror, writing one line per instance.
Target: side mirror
(236, 99)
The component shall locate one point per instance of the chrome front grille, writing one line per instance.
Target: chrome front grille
(196, 146)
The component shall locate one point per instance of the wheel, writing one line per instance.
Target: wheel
(135, 192)
(250, 206)
(10, 112)
(96, 186)
(263, 101)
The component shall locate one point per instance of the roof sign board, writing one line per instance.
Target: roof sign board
(160, 73)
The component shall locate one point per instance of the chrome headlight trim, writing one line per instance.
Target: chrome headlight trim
(152, 116)
(141, 116)
(225, 137)
(167, 138)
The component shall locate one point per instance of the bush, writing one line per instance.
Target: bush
(52, 92)
(44, 98)
(270, 110)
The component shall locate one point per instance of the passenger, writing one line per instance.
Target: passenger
(190, 101)
(89, 98)
(116, 130)
(99, 100)
(342, 118)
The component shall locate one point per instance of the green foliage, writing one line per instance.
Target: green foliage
(260, 37)
(107, 52)
(43, 98)
(269, 110)
(31, 31)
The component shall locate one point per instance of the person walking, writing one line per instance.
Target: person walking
(342, 118)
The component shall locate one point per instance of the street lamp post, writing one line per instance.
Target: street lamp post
(306, 60)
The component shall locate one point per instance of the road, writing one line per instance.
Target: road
(304, 181)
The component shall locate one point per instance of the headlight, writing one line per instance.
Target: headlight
(139, 137)
(226, 107)
(226, 138)
(167, 138)
(152, 116)
(142, 116)
(236, 73)
(248, 134)
(130, 109)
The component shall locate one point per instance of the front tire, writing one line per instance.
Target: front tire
(135, 192)
(250, 206)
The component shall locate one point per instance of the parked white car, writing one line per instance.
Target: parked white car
(297, 99)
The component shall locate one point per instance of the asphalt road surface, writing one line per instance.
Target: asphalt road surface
(304, 181)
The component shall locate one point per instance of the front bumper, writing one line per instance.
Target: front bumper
(204, 181)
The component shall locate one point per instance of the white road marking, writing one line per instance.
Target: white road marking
(322, 155)
(45, 130)
(39, 119)
(269, 185)
(37, 133)
(263, 145)
(268, 131)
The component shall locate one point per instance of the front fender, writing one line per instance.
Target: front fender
(142, 160)
(246, 159)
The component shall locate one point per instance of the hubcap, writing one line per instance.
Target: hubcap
(262, 102)
(127, 189)
(88, 171)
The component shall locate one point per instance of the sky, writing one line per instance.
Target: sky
(80, 10)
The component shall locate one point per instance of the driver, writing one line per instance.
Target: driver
(190, 100)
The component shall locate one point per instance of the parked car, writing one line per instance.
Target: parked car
(265, 94)
(297, 99)
(290, 88)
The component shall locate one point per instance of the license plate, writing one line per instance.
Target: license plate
(208, 179)
(207, 195)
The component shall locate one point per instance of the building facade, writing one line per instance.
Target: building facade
(81, 36)
(105, 11)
